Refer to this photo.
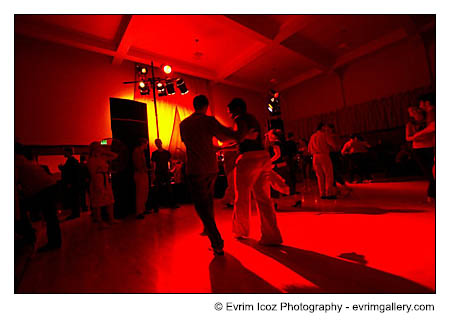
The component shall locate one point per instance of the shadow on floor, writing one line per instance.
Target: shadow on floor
(334, 209)
(333, 275)
(228, 275)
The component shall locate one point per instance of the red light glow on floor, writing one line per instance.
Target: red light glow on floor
(380, 239)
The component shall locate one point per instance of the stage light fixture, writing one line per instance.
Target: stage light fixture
(142, 70)
(161, 89)
(143, 88)
(182, 86)
(167, 69)
(170, 88)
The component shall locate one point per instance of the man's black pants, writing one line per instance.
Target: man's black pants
(45, 200)
(202, 192)
(425, 159)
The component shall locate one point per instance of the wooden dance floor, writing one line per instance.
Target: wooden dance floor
(379, 239)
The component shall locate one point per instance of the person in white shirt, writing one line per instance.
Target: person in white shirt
(320, 146)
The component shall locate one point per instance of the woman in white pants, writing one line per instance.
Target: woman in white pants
(253, 168)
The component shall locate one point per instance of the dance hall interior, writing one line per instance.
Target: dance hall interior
(226, 153)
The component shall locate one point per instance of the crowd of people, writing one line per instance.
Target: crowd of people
(256, 165)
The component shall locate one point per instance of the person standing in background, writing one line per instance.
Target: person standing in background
(161, 167)
(427, 103)
(291, 159)
(141, 177)
(100, 189)
(277, 151)
(306, 163)
(84, 179)
(423, 147)
(39, 190)
(356, 148)
(320, 146)
(336, 160)
(71, 183)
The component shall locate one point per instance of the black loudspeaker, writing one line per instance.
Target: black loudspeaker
(128, 124)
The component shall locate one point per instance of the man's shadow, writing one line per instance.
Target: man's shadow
(228, 275)
(333, 275)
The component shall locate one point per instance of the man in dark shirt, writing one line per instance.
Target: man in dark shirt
(253, 168)
(197, 132)
(161, 160)
(71, 183)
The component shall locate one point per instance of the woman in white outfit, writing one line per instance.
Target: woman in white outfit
(253, 169)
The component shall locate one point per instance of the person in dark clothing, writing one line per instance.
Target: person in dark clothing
(356, 149)
(336, 160)
(84, 179)
(141, 176)
(278, 154)
(305, 160)
(423, 146)
(161, 181)
(282, 160)
(291, 159)
(197, 132)
(71, 183)
(39, 190)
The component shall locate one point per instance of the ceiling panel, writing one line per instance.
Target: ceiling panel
(243, 49)
(99, 26)
(266, 25)
(276, 66)
(342, 33)
(196, 39)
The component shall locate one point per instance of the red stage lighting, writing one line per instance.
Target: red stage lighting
(182, 86)
(142, 70)
(161, 89)
(170, 89)
(143, 88)
(167, 69)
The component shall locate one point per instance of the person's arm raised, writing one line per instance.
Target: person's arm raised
(223, 133)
